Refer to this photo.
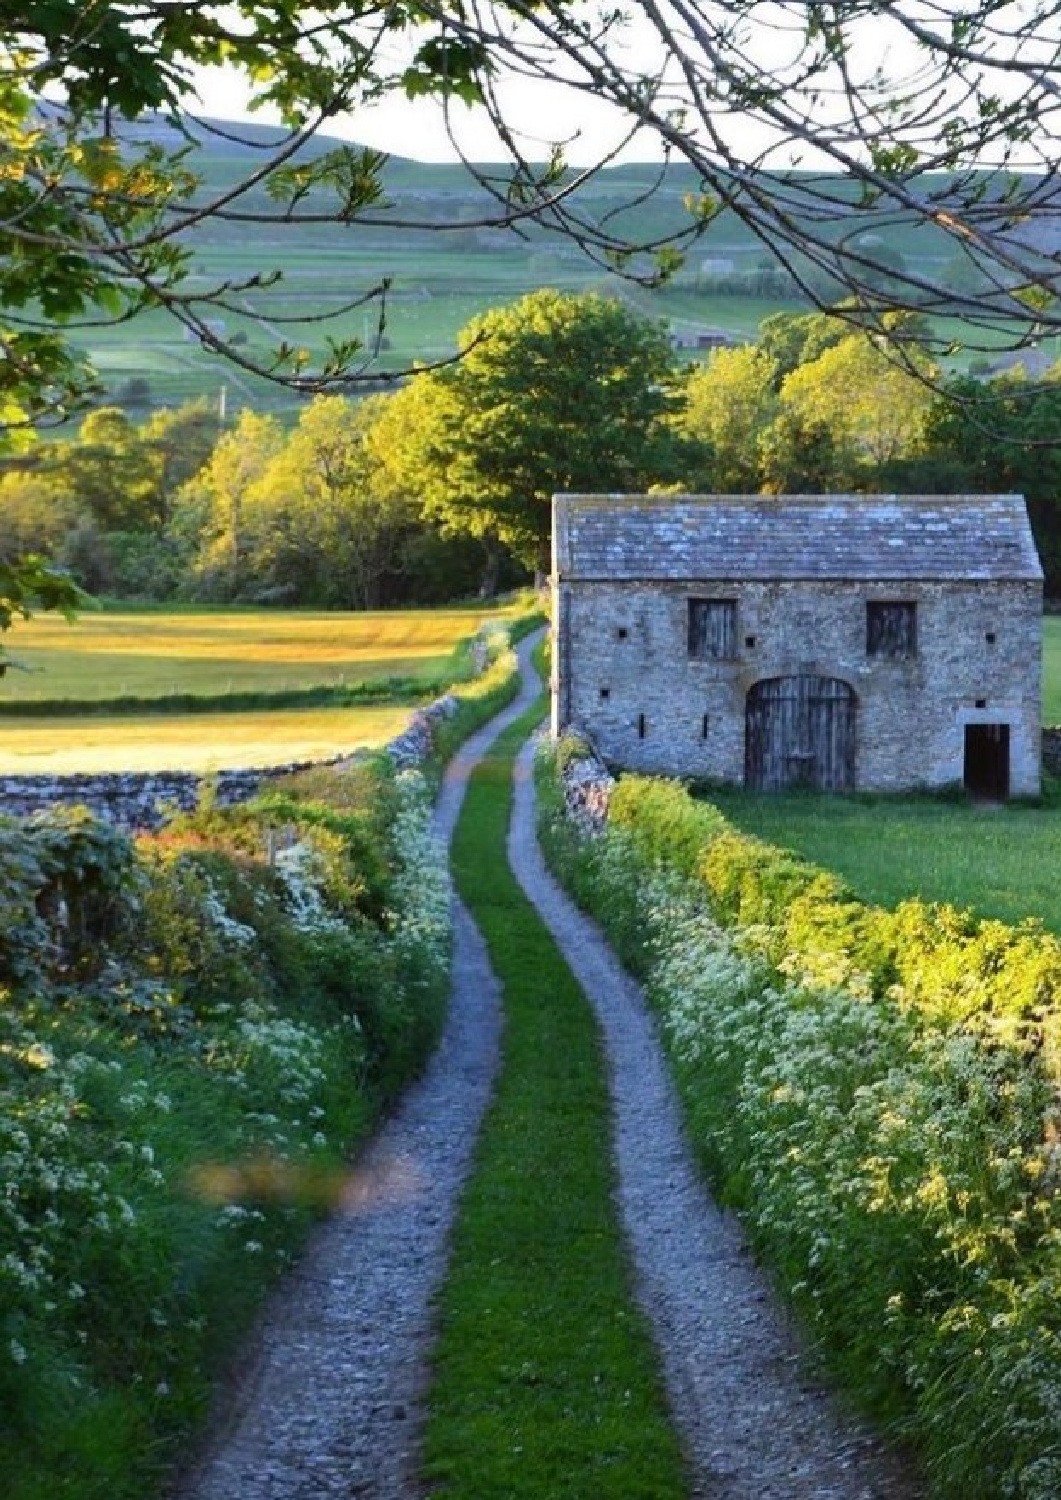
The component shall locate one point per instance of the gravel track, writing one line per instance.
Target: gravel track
(755, 1423)
(330, 1398)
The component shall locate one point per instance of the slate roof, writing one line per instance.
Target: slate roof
(852, 537)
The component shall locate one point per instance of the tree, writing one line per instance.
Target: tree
(179, 442)
(730, 401)
(553, 393)
(36, 512)
(28, 584)
(221, 497)
(903, 114)
(107, 471)
(1000, 434)
(326, 533)
(793, 339)
(873, 408)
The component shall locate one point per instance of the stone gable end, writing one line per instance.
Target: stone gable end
(846, 642)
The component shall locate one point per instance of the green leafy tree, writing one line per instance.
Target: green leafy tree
(792, 339)
(798, 455)
(36, 512)
(873, 407)
(730, 402)
(179, 441)
(28, 584)
(326, 532)
(108, 471)
(1001, 437)
(553, 393)
(218, 504)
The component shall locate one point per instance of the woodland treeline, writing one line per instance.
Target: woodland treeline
(442, 488)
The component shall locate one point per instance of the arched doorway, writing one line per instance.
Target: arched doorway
(800, 731)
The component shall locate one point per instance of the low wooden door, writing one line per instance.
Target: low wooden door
(800, 731)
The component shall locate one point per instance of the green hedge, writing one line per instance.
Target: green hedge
(954, 966)
(876, 1092)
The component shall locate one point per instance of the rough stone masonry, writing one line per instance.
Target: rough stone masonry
(845, 642)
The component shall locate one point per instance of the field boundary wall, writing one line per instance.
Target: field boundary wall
(137, 800)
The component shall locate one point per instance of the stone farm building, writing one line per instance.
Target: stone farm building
(840, 642)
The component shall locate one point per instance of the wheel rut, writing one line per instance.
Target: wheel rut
(330, 1397)
(756, 1423)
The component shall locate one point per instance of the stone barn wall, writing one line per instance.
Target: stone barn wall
(625, 674)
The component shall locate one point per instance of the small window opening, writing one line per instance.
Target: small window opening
(704, 724)
(622, 633)
(641, 726)
(749, 641)
(891, 629)
(713, 629)
(605, 693)
(990, 638)
(981, 702)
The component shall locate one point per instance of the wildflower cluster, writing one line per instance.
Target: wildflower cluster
(891, 1146)
(419, 918)
(171, 1115)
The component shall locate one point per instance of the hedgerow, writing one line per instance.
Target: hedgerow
(195, 1030)
(876, 1092)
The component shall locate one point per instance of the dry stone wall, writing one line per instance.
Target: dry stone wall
(133, 800)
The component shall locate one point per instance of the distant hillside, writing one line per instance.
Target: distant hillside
(440, 276)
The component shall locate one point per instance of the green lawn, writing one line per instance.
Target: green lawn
(115, 654)
(190, 742)
(1001, 861)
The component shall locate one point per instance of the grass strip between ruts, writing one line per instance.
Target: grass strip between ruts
(546, 1380)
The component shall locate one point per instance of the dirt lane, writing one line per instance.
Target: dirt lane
(328, 1403)
(756, 1424)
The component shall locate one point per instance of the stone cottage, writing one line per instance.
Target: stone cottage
(840, 642)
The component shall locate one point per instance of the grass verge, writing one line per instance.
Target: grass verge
(546, 1381)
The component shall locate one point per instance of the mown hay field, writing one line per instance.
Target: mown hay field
(120, 653)
(191, 742)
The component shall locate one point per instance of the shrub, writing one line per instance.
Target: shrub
(173, 1115)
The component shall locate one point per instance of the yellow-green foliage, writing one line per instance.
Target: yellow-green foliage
(950, 964)
(194, 1031)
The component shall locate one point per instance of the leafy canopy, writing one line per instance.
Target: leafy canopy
(553, 393)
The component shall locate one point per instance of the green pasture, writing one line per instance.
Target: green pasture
(427, 306)
(191, 742)
(152, 654)
(1000, 861)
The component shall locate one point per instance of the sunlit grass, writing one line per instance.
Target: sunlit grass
(1001, 861)
(153, 654)
(190, 742)
(546, 1381)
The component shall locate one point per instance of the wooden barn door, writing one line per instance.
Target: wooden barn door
(800, 731)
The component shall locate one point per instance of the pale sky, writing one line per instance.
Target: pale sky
(545, 113)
